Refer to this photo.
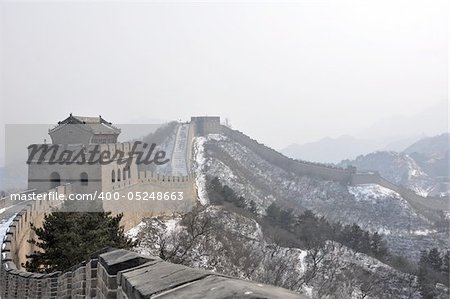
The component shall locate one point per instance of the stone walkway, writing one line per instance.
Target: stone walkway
(179, 163)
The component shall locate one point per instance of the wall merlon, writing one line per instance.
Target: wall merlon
(110, 273)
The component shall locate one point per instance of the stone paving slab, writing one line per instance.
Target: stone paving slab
(217, 287)
(156, 278)
(121, 259)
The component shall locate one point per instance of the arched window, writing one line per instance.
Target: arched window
(124, 174)
(129, 173)
(118, 175)
(84, 179)
(55, 180)
(113, 176)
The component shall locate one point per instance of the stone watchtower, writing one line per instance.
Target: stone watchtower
(72, 158)
(205, 125)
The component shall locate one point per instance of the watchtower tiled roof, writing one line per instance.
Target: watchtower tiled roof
(96, 125)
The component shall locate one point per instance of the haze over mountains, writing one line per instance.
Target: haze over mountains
(390, 134)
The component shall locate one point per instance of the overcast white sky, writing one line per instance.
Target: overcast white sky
(282, 73)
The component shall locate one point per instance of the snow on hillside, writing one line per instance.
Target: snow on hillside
(237, 247)
(372, 207)
(398, 168)
(198, 166)
(372, 192)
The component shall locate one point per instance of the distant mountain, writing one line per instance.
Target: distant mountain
(426, 173)
(399, 144)
(432, 154)
(430, 145)
(139, 127)
(147, 120)
(331, 150)
(398, 168)
(429, 122)
(390, 134)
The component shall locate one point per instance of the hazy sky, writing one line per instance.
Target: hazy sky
(282, 73)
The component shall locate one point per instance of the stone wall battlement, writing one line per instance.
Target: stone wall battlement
(112, 273)
(430, 207)
(427, 206)
(148, 176)
(156, 179)
(298, 167)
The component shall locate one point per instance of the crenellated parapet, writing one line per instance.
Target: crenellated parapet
(148, 176)
(298, 167)
(19, 231)
(430, 207)
(113, 273)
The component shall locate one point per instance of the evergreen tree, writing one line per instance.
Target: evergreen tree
(67, 238)
(354, 236)
(445, 265)
(377, 246)
(286, 218)
(364, 244)
(426, 286)
(425, 280)
(434, 259)
(274, 212)
(253, 207)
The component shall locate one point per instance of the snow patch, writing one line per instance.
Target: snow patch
(199, 162)
(423, 232)
(216, 137)
(308, 290)
(172, 225)
(133, 232)
(4, 225)
(301, 258)
(371, 192)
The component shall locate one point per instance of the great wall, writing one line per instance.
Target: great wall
(111, 273)
(123, 274)
(428, 207)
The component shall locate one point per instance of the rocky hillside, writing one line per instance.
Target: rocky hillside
(432, 155)
(370, 206)
(430, 145)
(398, 168)
(423, 166)
(305, 233)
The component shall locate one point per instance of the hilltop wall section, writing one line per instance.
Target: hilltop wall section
(298, 167)
(112, 273)
(427, 206)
